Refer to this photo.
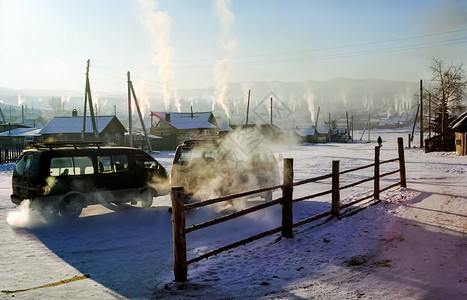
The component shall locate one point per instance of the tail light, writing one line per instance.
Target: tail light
(38, 189)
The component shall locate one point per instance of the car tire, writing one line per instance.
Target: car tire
(146, 197)
(71, 207)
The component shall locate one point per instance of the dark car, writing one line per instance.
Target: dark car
(66, 177)
(211, 167)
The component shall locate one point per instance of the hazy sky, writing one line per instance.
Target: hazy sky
(169, 44)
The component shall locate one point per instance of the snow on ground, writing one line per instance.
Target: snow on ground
(411, 245)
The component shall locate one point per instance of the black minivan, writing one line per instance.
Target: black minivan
(66, 177)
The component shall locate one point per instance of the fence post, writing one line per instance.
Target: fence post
(178, 231)
(287, 194)
(376, 185)
(336, 198)
(400, 150)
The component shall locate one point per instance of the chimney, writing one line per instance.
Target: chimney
(167, 117)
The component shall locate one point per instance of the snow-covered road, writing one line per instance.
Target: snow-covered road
(411, 245)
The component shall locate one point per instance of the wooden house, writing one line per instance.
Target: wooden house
(460, 127)
(110, 129)
(19, 137)
(173, 128)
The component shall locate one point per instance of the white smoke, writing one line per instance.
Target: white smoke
(21, 100)
(24, 217)
(221, 72)
(344, 98)
(158, 24)
(310, 100)
(230, 45)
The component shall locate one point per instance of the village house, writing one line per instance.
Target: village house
(174, 128)
(19, 137)
(110, 129)
(460, 127)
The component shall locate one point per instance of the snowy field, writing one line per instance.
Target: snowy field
(412, 245)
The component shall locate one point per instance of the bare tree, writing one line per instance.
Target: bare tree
(447, 93)
(56, 104)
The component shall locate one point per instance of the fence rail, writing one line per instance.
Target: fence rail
(286, 201)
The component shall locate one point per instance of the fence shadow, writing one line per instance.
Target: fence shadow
(117, 249)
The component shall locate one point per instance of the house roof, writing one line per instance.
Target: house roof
(223, 125)
(75, 124)
(186, 120)
(459, 120)
(22, 132)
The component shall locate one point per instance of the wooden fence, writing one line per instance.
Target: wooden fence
(286, 229)
(10, 153)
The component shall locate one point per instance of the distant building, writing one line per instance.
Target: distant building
(19, 137)
(110, 129)
(460, 127)
(173, 128)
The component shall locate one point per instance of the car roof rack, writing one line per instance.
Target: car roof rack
(64, 144)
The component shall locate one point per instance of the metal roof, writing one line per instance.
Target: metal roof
(21, 132)
(75, 124)
(186, 120)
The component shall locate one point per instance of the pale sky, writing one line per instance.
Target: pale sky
(176, 44)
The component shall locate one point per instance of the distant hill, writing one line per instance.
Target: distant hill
(292, 101)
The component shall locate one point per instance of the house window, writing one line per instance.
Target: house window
(187, 135)
(206, 132)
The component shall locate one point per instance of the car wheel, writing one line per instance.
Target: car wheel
(146, 197)
(71, 207)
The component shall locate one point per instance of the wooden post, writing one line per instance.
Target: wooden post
(287, 194)
(400, 149)
(178, 231)
(336, 198)
(422, 142)
(376, 185)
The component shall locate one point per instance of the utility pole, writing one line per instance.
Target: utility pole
(130, 127)
(271, 110)
(248, 107)
(139, 112)
(88, 97)
(421, 115)
(429, 115)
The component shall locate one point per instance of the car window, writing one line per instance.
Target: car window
(105, 164)
(61, 166)
(146, 162)
(19, 167)
(80, 165)
(83, 165)
(112, 163)
(121, 163)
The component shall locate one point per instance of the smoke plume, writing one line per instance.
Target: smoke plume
(310, 99)
(229, 44)
(21, 100)
(158, 24)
